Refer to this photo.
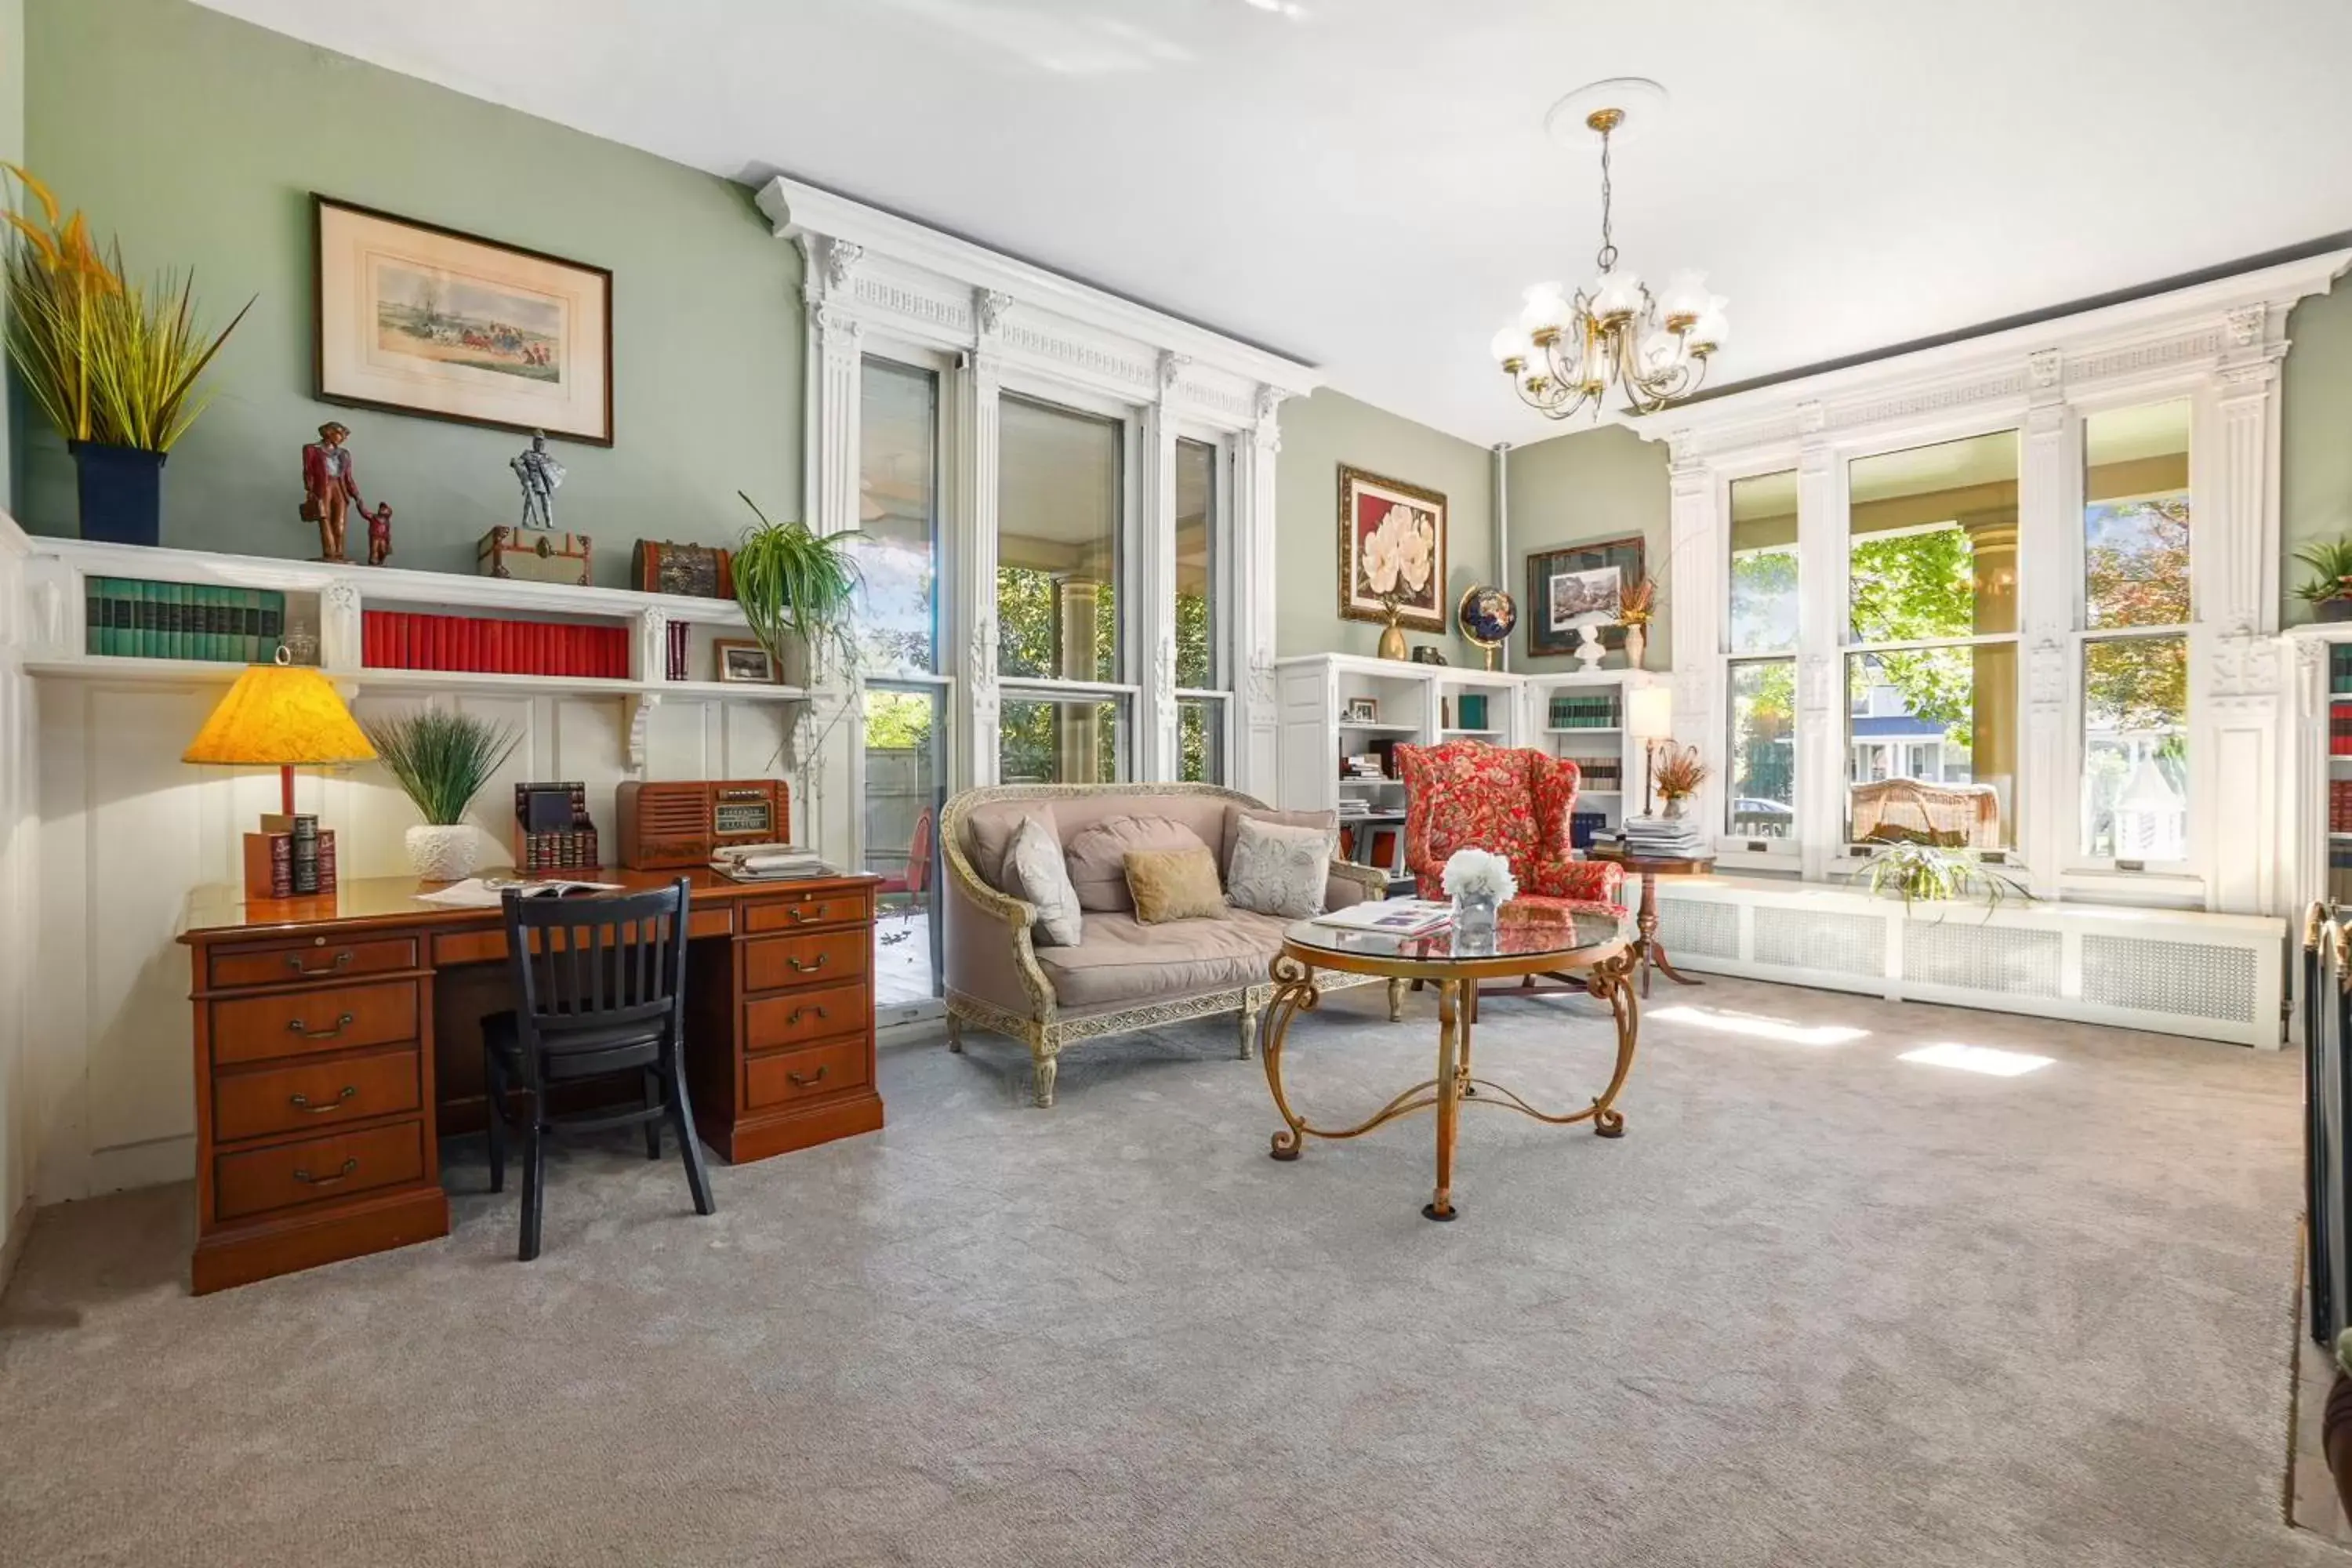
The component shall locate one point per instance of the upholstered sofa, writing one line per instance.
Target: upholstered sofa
(1123, 974)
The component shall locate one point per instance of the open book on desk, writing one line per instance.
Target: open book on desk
(489, 892)
(1392, 917)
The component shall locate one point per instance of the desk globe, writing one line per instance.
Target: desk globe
(1486, 616)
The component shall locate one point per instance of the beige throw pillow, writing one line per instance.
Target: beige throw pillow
(1033, 871)
(1097, 856)
(1174, 885)
(1237, 815)
(991, 828)
(1278, 870)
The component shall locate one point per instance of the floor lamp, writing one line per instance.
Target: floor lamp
(1649, 718)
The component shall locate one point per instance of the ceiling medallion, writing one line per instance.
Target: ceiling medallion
(1568, 351)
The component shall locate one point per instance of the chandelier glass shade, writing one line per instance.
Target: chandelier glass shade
(1566, 350)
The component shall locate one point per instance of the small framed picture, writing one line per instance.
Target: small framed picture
(744, 662)
(1360, 710)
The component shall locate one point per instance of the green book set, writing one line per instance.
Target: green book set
(137, 619)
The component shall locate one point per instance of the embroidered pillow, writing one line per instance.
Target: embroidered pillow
(1278, 870)
(1097, 856)
(1033, 870)
(1174, 885)
(1237, 815)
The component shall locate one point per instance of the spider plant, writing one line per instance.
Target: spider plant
(1926, 873)
(109, 362)
(441, 759)
(795, 583)
(2332, 560)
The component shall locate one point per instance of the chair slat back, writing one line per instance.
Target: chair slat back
(597, 962)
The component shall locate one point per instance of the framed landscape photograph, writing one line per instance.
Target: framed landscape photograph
(1392, 540)
(743, 662)
(415, 319)
(1578, 586)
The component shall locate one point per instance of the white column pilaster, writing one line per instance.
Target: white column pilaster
(1152, 580)
(971, 646)
(1255, 459)
(2049, 572)
(1820, 630)
(1696, 548)
(828, 742)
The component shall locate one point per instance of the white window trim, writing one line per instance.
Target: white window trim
(2220, 341)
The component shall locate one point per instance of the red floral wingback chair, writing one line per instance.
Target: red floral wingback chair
(1464, 794)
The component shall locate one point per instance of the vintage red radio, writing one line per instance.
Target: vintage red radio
(685, 822)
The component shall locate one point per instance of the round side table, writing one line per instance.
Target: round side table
(1645, 922)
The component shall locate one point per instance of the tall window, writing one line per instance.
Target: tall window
(897, 629)
(1931, 644)
(1201, 702)
(1060, 489)
(1760, 802)
(2135, 614)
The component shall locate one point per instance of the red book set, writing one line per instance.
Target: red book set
(396, 639)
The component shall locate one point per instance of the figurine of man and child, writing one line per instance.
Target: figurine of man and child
(330, 490)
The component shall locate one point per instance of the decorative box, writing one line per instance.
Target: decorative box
(533, 555)
(704, 571)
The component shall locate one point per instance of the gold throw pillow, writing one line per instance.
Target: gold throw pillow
(1174, 885)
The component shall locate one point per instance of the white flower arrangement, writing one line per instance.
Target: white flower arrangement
(1480, 874)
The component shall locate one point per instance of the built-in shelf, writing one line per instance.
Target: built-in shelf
(130, 668)
(1585, 729)
(1611, 793)
(2341, 837)
(1474, 733)
(1381, 729)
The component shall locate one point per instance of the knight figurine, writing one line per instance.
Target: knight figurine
(539, 475)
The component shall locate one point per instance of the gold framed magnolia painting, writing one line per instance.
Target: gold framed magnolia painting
(1391, 546)
(414, 318)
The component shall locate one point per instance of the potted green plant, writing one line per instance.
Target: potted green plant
(1932, 874)
(113, 364)
(794, 584)
(441, 759)
(2329, 590)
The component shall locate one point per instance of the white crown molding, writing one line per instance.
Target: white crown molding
(2237, 323)
(902, 277)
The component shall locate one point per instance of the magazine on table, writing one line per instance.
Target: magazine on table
(1392, 917)
(488, 893)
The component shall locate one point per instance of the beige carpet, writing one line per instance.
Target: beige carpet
(1822, 1307)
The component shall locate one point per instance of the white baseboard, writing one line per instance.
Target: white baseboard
(12, 1241)
(150, 1165)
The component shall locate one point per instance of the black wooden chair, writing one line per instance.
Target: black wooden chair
(602, 982)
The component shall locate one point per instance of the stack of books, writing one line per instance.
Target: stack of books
(1360, 805)
(1583, 826)
(1364, 765)
(769, 863)
(133, 618)
(2339, 731)
(1657, 838)
(2339, 805)
(1587, 711)
(290, 857)
(1600, 772)
(2339, 667)
(678, 648)
(392, 640)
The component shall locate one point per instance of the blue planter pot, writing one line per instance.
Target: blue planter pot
(121, 492)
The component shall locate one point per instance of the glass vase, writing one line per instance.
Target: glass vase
(1474, 916)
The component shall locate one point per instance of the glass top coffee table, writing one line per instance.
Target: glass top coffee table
(1596, 949)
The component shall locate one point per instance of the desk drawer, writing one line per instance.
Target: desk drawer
(272, 964)
(797, 1017)
(316, 1168)
(329, 1018)
(821, 958)
(809, 1073)
(311, 1095)
(799, 912)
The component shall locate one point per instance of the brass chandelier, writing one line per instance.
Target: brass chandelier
(1568, 349)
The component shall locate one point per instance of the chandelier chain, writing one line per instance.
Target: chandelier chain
(1607, 254)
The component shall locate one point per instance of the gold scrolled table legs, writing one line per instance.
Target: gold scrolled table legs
(1294, 991)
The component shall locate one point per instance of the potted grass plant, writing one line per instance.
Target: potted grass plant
(797, 584)
(112, 363)
(441, 761)
(2329, 590)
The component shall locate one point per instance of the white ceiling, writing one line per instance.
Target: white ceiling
(1366, 183)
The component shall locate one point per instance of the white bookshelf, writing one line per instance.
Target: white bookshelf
(1612, 759)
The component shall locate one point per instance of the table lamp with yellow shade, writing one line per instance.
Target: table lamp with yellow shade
(283, 716)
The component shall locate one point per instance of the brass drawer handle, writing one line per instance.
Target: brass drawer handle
(307, 1180)
(800, 916)
(806, 968)
(302, 1103)
(810, 1081)
(296, 1026)
(294, 961)
(798, 1011)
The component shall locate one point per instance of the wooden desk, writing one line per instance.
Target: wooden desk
(337, 1038)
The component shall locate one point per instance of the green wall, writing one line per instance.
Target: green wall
(2314, 435)
(198, 139)
(1318, 434)
(1582, 488)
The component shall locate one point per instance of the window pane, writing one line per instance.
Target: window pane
(1764, 562)
(1196, 566)
(1045, 741)
(1199, 739)
(1932, 745)
(2136, 748)
(903, 792)
(2135, 516)
(1763, 793)
(1057, 509)
(1933, 540)
(898, 482)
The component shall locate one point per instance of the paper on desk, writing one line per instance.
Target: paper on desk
(488, 893)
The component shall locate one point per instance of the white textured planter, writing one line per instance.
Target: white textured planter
(443, 853)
